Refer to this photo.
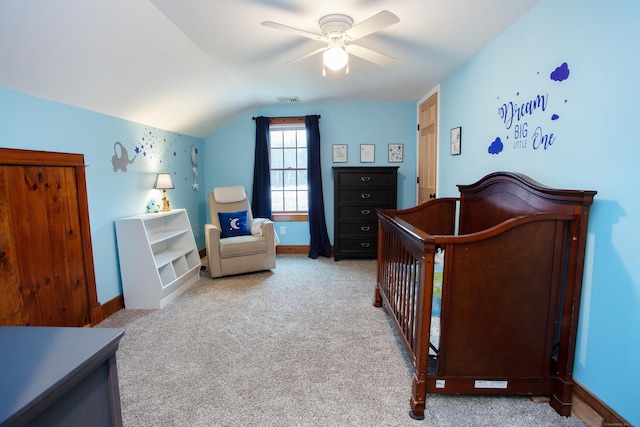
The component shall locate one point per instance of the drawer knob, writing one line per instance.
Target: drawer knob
(365, 244)
(365, 211)
(365, 228)
(365, 195)
(365, 178)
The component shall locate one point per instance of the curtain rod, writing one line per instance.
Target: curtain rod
(292, 117)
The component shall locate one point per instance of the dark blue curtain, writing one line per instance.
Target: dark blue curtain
(320, 244)
(261, 198)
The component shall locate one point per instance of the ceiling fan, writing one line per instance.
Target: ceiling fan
(338, 33)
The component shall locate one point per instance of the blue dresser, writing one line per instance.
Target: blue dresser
(53, 376)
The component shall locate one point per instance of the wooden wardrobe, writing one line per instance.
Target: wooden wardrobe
(47, 275)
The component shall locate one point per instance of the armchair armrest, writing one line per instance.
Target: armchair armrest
(211, 232)
(269, 233)
(212, 245)
(265, 227)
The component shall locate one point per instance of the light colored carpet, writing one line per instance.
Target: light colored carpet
(299, 346)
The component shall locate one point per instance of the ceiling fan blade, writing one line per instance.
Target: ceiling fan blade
(307, 55)
(288, 29)
(370, 55)
(371, 25)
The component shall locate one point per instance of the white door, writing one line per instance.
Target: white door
(427, 149)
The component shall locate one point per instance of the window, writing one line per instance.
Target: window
(288, 152)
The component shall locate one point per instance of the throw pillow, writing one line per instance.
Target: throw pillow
(233, 224)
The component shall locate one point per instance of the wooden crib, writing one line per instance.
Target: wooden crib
(501, 316)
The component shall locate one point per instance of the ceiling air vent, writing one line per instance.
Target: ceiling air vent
(288, 99)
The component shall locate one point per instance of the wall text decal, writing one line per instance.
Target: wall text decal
(526, 121)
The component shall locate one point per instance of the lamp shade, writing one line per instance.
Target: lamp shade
(163, 182)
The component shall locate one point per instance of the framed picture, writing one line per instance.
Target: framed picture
(395, 153)
(339, 153)
(456, 141)
(367, 153)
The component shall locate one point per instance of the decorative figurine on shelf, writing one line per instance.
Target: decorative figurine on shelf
(153, 206)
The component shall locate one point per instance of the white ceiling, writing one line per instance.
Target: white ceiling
(192, 66)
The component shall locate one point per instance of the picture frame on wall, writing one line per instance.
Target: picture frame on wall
(340, 153)
(367, 153)
(456, 141)
(395, 153)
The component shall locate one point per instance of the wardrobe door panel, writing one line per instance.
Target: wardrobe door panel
(12, 312)
(43, 249)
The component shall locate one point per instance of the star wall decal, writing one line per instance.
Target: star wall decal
(195, 186)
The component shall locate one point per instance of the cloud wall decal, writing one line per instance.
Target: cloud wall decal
(560, 73)
(496, 146)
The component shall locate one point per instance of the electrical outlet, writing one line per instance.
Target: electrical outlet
(283, 230)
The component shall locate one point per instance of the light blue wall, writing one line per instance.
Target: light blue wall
(36, 124)
(229, 152)
(595, 146)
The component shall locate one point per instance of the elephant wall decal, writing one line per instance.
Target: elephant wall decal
(120, 162)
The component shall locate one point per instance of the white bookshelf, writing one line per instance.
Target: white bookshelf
(158, 258)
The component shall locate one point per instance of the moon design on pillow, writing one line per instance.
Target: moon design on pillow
(234, 224)
(194, 155)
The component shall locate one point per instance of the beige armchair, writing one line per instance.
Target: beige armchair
(237, 244)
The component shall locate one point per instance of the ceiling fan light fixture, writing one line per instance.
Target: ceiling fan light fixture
(338, 31)
(335, 58)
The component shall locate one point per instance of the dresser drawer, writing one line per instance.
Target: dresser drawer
(365, 247)
(362, 228)
(376, 198)
(365, 179)
(357, 212)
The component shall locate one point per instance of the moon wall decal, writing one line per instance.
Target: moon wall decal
(194, 155)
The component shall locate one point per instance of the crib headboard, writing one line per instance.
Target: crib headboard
(503, 195)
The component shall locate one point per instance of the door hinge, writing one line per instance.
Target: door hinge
(418, 127)
(417, 180)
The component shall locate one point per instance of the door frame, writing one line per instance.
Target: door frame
(435, 90)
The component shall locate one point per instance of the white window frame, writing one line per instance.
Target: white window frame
(297, 214)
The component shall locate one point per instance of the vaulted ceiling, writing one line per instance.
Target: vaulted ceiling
(192, 66)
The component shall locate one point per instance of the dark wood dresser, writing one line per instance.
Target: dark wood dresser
(358, 191)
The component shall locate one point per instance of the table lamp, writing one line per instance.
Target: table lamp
(164, 183)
